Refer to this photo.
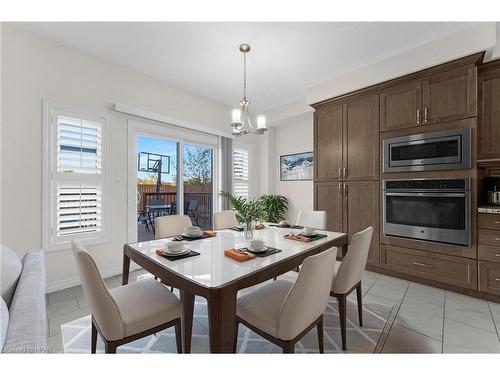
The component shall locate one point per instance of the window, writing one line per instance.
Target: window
(76, 178)
(241, 167)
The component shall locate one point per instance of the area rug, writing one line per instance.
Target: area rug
(76, 334)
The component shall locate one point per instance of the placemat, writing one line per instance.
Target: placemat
(263, 254)
(303, 238)
(175, 257)
(287, 226)
(203, 236)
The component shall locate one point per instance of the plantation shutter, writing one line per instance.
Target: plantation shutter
(79, 181)
(241, 186)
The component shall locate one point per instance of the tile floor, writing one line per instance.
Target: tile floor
(424, 320)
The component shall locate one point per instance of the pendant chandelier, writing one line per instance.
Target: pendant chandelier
(240, 117)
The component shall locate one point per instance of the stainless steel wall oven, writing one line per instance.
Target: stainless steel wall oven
(429, 151)
(428, 209)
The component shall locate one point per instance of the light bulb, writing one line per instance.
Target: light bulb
(261, 122)
(236, 116)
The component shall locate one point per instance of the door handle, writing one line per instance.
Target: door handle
(418, 116)
(425, 114)
(422, 264)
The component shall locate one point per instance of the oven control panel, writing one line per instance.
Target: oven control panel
(441, 184)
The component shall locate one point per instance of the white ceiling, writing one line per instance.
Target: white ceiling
(286, 58)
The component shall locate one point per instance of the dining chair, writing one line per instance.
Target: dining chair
(313, 219)
(348, 275)
(129, 312)
(224, 219)
(283, 312)
(167, 226)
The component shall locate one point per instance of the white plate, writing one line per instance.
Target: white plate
(265, 248)
(183, 252)
(308, 235)
(192, 235)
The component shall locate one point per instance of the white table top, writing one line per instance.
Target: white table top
(212, 269)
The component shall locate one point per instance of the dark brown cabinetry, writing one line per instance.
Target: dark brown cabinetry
(361, 134)
(489, 253)
(328, 139)
(444, 96)
(351, 207)
(401, 106)
(488, 133)
(437, 267)
(489, 277)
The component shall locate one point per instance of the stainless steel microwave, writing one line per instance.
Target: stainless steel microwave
(448, 149)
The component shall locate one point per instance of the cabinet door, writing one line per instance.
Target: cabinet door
(488, 134)
(328, 143)
(328, 197)
(450, 95)
(362, 211)
(361, 134)
(400, 106)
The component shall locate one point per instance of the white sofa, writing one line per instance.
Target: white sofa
(22, 303)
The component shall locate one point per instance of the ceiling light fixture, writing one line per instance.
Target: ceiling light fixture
(240, 117)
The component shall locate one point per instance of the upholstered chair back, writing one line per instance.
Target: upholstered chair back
(313, 219)
(225, 219)
(308, 298)
(353, 265)
(171, 225)
(102, 305)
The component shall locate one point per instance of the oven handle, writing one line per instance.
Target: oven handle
(452, 195)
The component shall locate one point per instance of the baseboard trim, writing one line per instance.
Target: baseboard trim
(74, 281)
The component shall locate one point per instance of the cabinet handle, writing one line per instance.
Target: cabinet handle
(425, 114)
(345, 189)
(497, 279)
(340, 172)
(340, 190)
(418, 116)
(497, 238)
(496, 222)
(345, 172)
(497, 255)
(421, 264)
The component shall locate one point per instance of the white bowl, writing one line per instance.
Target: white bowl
(174, 246)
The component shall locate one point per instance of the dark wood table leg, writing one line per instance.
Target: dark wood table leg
(187, 319)
(126, 268)
(222, 319)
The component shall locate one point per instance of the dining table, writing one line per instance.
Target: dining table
(218, 278)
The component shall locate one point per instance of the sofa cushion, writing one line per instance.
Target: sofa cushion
(27, 322)
(4, 321)
(10, 267)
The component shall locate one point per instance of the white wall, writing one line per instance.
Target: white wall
(295, 135)
(33, 69)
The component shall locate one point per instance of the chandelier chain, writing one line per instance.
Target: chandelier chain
(244, 76)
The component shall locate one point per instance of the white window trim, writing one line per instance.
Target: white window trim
(247, 147)
(169, 132)
(48, 173)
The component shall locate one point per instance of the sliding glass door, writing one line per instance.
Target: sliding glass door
(173, 175)
(198, 184)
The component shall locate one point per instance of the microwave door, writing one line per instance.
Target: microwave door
(445, 150)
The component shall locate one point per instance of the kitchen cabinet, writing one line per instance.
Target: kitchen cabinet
(361, 138)
(346, 140)
(401, 106)
(328, 197)
(351, 207)
(361, 210)
(328, 132)
(446, 269)
(488, 133)
(444, 96)
(489, 277)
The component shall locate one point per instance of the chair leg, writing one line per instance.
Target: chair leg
(178, 336)
(288, 347)
(319, 327)
(93, 343)
(172, 289)
(360, 304)
(235, 338)
(343, 318)
(109, 348)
